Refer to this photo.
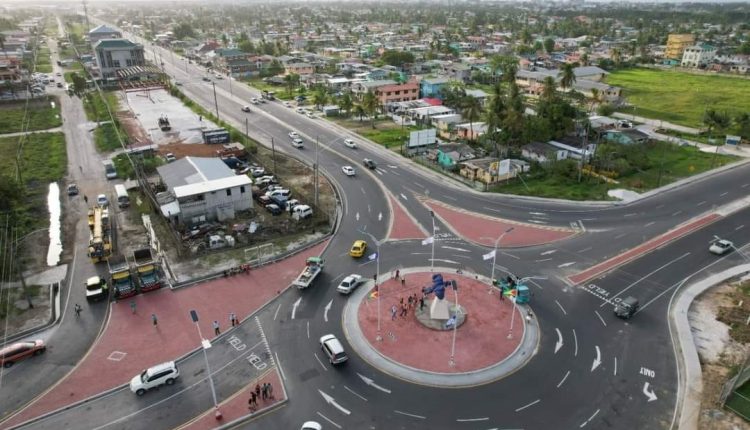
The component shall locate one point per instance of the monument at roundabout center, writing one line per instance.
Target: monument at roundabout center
(442, 314)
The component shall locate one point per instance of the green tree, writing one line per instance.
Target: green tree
(549, 45)
(291, 81)
(471, 109)
(716, 121)
(246, 46)
(359, 111)
(549, 89)
(568, 77)
(319, 98)
(275, 67)
(79, 83)
(224, 40)
(397, 58)
(183, 30)
(346, 103)
(616, 56)
(743, 124)
(370, 104)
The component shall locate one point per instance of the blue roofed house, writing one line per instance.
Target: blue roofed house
(625, 136)
(431, 87)
(450, 154)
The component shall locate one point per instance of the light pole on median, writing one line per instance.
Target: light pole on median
(452, 361)
(494, 253)
(205, 344)
(432, 255)
(216, 102)
(377, 275)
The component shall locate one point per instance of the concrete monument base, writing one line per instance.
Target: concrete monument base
(423, 316)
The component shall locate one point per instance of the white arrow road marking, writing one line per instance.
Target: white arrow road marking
(392, 166)
(598, 359)
(380, 216)
(372, 383)
(295, 305)
(333, 403)
(325, 311)
(650, 394)
(566, 264)
(444, 261)
(551, 251)
(357, 216)
(559, 343)
(403, 196)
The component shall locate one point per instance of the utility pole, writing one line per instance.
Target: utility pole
(315, 171)
(216, 102)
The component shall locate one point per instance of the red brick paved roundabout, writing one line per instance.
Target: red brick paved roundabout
(409, 350)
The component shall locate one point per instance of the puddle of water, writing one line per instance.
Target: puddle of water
(55, 244)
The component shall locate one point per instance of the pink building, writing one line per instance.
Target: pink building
(397, 93)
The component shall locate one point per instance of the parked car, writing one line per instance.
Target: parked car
(721, 247)
(264, 200)
(310, 115)
(350, 143)
(333, 349)
(348, 170)
(257, 171)
(358, 248)
(102, 200)
(279, 192)
(254, 100)
(72, 189)
(169, 157)
(349, 284)
(245, 108)
(274, 209)
(161, 374)
(369, 164)
(18, 351)
(206, 78)
(287, 104)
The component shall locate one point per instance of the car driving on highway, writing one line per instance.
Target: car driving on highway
(349, 284)
(348, 170)
(358, 248)
(721, 247)
(350, 143)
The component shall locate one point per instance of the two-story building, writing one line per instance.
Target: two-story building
(397, 93)
(432, 87)
(301, 69)
(203, 189)
(115, 54)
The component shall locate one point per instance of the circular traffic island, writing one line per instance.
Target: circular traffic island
(430, 341)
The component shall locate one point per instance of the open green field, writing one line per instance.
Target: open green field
(95, 107)
(43, 161)
(680, 97)
(386, 132)
(41, 116)
(675, 163)
(280, 92)
(105, 138)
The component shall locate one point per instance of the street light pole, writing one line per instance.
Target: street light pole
(216, 102)
(205, 343)
(452, 361)
(512, 316)
(494, 254)
(432, 257)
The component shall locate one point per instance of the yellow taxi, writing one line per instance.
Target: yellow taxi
(358, 248)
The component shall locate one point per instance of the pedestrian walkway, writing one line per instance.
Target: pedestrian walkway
(22, 133)
(495, 340)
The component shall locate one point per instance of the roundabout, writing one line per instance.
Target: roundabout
(494, 339)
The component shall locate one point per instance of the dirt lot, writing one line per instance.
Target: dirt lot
(719, 353)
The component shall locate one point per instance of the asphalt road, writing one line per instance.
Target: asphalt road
(591, 368)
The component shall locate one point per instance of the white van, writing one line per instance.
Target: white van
(280, 192)
(301, 212)
(123, 200)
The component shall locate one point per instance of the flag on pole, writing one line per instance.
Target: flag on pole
(373, 256)
(489, 256)
(510, 292)
(374, 293)
(428, 241)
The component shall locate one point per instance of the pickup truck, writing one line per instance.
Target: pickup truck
(313, 268)
(96, 288)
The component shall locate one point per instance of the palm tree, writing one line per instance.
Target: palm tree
(585, 59)
(493, 115)
(549, 89)
(346, 103)
(568, 76)
(743, 124)
(596, 98)
(319, 98)
(471, 109)
(291, 80)
(370, 104)
(359, 111)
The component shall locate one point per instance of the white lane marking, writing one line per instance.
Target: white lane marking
(395, 173)
(724, 194)
(542, 260)
(575, 344)
(471, 420)
(561, 307)
(491, 209)
(275, 314)
(559, 384)
(659, 207)
(372, 383)
(744, 185)
(330, 400)
(356, 216)
(456, 249)
(321, 363)
(620, 235)
(585, 249)
(409, 415)
(535, 283)
(449, 197)
(308, 329)
(326, 309)
(536, 221)
(419, 185)
(295, 305)
(539, 214)
(630, 214)
(353, 392)
(609, 301)
(566, 264)
(559, 343)
(443, 261)
(597, 360)
(676, 213)
(600, 318)
(510, 255)
(551, 251)
(403, 196)
(589, 420)
(363, 190)
(649, 224)
(701, 203)
(369, 209)
(379, 172)
(329, 420)
(527, 406)
(278, 364)
(380, 216)
(615, 367)
(738, 228)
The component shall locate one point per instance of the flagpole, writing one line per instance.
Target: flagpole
(452, 362)
(377, 274)
(494, 254)
(432, 258)
(512, 316)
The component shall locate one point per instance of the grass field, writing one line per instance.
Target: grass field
(680, 97)
(95, 108)
(386, 132)
(280, 92)
(44, 160)
(105, 138)
(41, 116)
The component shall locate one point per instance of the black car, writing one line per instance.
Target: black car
(274, 209)
(369, 164)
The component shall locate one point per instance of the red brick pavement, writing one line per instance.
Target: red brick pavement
(484, 230)
(641, 249)
(403, 226)
(237, 406)
(480, 342)
(175, 335)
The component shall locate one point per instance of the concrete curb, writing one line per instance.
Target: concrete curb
(526, 349)
(689, 374)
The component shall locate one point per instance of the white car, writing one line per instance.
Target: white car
(349, 284)
(333, 349)
(169, 157)
(102, 200)
(165, 373)
(350, 143)
(300, 110)
(310, 115)
(298, 143)
(254, 101)
(721, 247)
(311, 425)
(293, 134)
(218, 76)
(245, 108)
(348, 170)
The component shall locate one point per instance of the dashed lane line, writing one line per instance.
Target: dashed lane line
(600, 318)
(278, 364)
(409, 415)
(575, 344)
(471, 420)
(355, 393)
(276, 314)
(528, 405)
(589, 420)
(561, 307)
(559, 384)
(320, 362)
(329, 420)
